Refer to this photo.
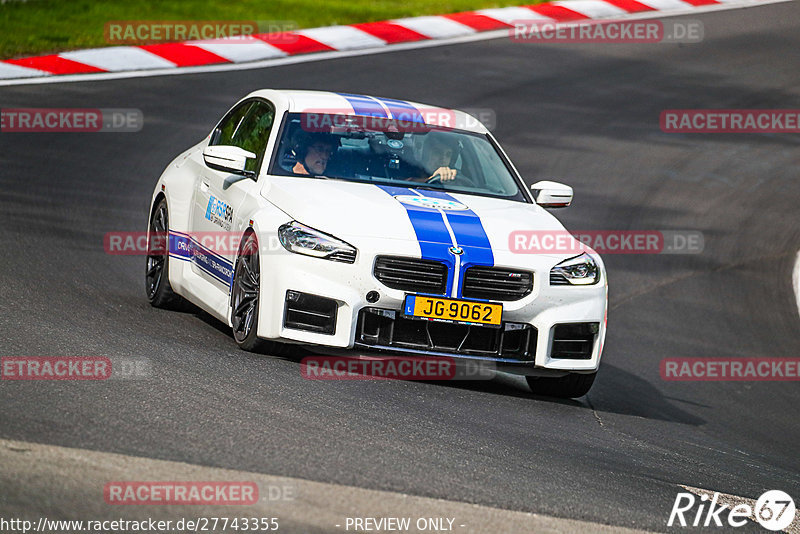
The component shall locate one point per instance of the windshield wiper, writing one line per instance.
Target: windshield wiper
(426, 187)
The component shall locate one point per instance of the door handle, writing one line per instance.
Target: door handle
(203, 187)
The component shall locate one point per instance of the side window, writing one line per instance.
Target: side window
(247, 127)
(225, 132)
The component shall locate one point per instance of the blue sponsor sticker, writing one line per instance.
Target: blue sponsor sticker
(219, 212)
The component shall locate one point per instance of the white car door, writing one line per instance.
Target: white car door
(216, 222)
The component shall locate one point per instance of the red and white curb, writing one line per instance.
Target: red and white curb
(372, 36)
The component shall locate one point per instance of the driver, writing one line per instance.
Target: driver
(312, 152)
(438, 154)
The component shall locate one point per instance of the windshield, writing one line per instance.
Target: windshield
(366, 149)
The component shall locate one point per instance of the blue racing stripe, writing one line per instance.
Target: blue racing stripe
(402, 111)
(434, 239)
(469, 233)
(366, 106)
(185, 247)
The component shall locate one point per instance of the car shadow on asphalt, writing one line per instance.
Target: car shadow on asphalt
(615, 391)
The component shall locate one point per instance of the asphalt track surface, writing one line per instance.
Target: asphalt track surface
(586, 115)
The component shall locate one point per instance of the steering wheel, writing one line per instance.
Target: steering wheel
(462, 179)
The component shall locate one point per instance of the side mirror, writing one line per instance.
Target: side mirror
(228, 158)
(552, 194)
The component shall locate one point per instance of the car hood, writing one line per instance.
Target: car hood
(350, 210)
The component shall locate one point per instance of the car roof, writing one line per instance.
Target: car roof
(299, 101)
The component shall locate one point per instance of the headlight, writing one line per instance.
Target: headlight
(301, 239)
(578, 271)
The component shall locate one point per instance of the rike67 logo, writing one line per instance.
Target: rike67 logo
(774, 510)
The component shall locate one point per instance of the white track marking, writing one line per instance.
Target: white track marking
(665, 5)
(343, 37)
(511, 14)
(9, 69)
(119, 58)
(243, 49)
(594, 9)
(435, 27)
(323, 56)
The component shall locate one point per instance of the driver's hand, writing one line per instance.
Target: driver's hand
(446, 174)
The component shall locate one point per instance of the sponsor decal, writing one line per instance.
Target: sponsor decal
(184, 247)
(219, 213)
(213, 265)
(432, 203)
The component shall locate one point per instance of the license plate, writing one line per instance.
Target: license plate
(451, 310)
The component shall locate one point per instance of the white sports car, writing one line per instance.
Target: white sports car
(374, 224)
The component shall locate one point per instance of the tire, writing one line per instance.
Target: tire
(245, 303)
(156, 278)
(571, 386)
(245, 296)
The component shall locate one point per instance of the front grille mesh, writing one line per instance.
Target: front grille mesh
(492, 283)
(410, 274)
(388, 329)
(344, 256)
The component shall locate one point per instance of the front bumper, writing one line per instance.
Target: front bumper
(529, 324)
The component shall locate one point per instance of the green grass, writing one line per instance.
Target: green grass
(36, 27)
